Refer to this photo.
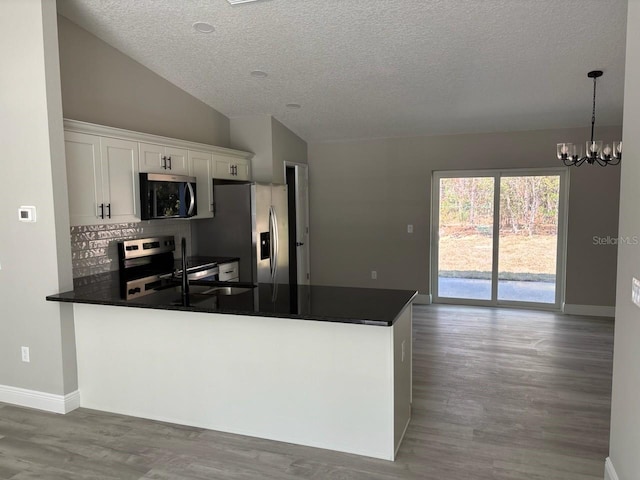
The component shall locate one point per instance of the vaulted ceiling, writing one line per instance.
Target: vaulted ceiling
(380, 68)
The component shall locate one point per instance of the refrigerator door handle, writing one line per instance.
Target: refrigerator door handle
(272, 252)
(277, 242)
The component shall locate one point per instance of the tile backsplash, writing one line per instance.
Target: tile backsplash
(94, 248)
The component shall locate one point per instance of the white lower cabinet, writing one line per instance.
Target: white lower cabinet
(228, 272)
(202, 169)
(102, 178)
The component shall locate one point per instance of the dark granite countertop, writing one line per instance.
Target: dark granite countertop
(306, 302)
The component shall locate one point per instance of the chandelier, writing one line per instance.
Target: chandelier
(610, 154)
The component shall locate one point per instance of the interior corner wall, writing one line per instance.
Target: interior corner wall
(272, 144)
(625, 408)
(252, 133)
(364, 193)
(35, 257)
(102, 85)
(287, 147)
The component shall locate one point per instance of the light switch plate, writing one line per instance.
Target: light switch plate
(27, 214)
(635, 291)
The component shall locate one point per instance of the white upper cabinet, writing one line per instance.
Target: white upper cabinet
(102, 179)
(103, 166)
(120, 180)
(84, 177)
(163, 159)
(231, 168)
(202, 169)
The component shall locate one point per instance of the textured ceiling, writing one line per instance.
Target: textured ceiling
(380, 68)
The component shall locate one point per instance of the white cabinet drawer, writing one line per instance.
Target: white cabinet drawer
(228, 272)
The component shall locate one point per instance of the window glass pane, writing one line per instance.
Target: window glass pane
(465, 246)
(528, 238)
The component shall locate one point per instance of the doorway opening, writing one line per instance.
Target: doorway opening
(297, 179)
(498, 237)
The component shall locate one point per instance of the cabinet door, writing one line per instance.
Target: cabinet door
(120, 182)
(242, 170)
(84, 177)
(202, 169)
(152, 158)
(162, 159)
(231, 168)
(222, 167)
(177, 161)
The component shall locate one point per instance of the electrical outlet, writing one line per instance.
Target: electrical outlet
(25, 354)
(374, 275)
(409, 228)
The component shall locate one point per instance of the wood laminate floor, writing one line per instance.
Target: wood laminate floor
(498, 394)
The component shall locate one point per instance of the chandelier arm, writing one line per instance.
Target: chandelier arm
(580, 161)
(602, 163)
(618, 160)
(568, 162)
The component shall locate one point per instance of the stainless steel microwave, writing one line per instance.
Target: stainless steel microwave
(167, 196)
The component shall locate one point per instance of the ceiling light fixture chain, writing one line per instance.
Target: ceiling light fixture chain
(571, 154)
(593, 110)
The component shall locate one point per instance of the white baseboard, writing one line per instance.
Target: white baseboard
(422, 299)
(589, 310)
(609, 471)
(49, 402)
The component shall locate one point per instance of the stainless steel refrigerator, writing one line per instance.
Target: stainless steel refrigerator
(250, 223)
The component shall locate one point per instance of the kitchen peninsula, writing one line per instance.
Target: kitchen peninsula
(322, 366)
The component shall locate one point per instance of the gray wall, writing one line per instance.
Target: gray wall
(35, 257)
(252, 133)
(364, 193)
(102, 85)
(287, 147)
(271, 142)
(625, 406)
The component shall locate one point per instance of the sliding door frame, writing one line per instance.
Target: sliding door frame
(561, 247)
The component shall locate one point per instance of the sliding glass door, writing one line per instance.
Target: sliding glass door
(498, 237)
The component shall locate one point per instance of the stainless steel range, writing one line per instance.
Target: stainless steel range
(147, 264)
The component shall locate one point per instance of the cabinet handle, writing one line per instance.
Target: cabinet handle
(108, 211)
(164, 162)
(235, 170)
(169, 163)
(101, 207)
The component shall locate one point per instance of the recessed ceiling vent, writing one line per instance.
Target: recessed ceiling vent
(235, 2)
